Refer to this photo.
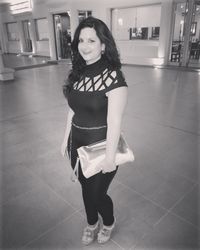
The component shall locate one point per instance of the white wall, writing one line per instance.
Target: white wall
(165, 31)
(131, 17)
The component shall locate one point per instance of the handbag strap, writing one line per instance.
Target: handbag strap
(75, 173)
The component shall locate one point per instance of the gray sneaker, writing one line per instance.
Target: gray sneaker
(104, 234)
(90, 234)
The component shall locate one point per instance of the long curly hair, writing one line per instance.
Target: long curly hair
(111, 55)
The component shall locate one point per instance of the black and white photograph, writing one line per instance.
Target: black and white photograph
(99, 125)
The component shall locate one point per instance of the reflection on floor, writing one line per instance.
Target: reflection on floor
(195, 63)
(19, 62)
(156, 198)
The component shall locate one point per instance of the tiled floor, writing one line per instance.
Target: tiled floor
(156, 198)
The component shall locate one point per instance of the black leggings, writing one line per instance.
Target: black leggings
(96, 199)
(94, 189)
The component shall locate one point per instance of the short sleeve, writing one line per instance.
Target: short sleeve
(115, 80)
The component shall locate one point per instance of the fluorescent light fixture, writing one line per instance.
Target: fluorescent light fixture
(20, 6)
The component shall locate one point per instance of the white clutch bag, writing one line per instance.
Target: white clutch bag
(91, 155)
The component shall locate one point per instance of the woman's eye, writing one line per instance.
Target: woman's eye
(88, 41)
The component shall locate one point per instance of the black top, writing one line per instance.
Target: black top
(88, 97)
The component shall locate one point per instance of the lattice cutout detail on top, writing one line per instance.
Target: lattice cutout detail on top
(97, 83)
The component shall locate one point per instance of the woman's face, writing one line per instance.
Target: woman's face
(90, 46)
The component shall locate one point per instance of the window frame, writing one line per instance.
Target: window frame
(38, 38)
(10, 39)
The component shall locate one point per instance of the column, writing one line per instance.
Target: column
(165, 30)
(33, 35)
(5, 73)
(188, 22)
(52, 45)
(21, 36)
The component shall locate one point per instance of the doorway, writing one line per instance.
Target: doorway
(185, 43)
(27, 38)
(62, 35)
(193, 60)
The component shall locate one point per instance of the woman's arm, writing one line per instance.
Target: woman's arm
(117, 99)
(67, 131)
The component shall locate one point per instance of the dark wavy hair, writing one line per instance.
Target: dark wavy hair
(111, 55)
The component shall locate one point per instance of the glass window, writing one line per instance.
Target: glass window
(141, 22)
(12, 31)
(82, 14)
(41, 26)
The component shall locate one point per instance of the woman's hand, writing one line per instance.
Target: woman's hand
(107, 166)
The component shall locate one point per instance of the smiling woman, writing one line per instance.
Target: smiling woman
(96, 92)
(90, 46)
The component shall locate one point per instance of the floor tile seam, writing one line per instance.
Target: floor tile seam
(22, 143)
(159, 123)
(36, 134)
(33, 189)
(117, 244)
(79, 212)
(163, 176)
(32, 135)
(19, 143)
(164, 125)
(17, 197)
(49, 187)
(23, 164)
(19, 126)
(148, 199)
(184, 220)
(161, 218)
(145, 197)
(19, 116)
(133, 247)
(186, 178)
(33, 113)
(49, 230)
(158, 205)
(182, 197)
(176, 215)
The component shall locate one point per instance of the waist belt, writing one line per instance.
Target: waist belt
(89, 128)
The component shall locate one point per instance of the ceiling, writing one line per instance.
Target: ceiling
(14, 1)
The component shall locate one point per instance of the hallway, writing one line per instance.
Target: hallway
(156, 198)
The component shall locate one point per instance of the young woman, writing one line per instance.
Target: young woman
(97, 94)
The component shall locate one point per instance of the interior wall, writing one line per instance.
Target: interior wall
(100, 9)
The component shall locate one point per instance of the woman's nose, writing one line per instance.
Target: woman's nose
(84, 45)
